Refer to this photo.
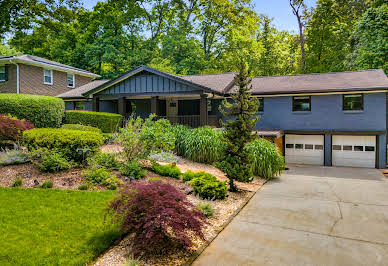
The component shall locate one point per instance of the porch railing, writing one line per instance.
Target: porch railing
(191, 120)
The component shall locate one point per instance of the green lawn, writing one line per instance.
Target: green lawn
(53, 227)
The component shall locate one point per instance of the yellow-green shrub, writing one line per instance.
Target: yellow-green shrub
(107, 122)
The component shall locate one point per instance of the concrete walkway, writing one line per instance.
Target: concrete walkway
(309, 216)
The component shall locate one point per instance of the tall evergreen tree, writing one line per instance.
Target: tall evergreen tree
(242, 112)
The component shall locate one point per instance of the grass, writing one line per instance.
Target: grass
(53, 227)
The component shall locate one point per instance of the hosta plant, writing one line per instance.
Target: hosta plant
(159, 216)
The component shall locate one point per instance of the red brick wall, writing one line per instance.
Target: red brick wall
(31, 81)
(10, 85)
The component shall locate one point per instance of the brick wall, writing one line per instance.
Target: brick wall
(10, 85)
(31, 81)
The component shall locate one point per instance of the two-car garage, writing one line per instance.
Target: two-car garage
(346, 150)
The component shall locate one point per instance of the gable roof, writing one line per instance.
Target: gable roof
(77, 93)
(373, 79)
(141, 68)
(217, 82)
(42, 62)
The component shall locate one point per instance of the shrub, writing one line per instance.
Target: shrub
(12, 128)
(72, 144)
(107, 138)
(190, 175)
(170, 170)
(100, 176)
(17, 182)
(141, 137)
(81, 127)
(41, 111)
(209, 187)
(47, 184)
(83, 187)
(132, 169)
(11, 157)
(101, 159)
(203, 145)
(158, 215)
(54, 162)
(206, 208)
(107, 122)
(266, 161)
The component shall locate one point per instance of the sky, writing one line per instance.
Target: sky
(279, 10)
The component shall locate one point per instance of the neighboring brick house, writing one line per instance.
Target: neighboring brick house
(27, 74)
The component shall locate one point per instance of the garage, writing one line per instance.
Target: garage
(304, 149)
(354, 151)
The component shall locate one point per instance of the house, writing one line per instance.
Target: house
(331, 119)
(29, 74)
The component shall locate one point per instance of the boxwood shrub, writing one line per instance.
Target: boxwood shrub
(107, 122)
(208, 186)
(41, 111)
(73, 144)
(81, 127)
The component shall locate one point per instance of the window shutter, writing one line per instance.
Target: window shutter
(6, 73)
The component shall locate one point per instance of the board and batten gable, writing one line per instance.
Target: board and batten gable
(145, 83)
(326, 114)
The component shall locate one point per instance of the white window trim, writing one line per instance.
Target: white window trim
(52, 77)
(73, 81)
(5, 71)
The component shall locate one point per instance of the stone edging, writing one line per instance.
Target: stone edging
(199, 251)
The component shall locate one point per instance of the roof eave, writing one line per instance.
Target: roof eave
(50, 66)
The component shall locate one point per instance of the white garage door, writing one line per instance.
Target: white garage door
(305, 149)
(355, 151)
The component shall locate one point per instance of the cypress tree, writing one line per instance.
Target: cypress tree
(241, 110)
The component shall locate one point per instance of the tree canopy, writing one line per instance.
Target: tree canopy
(196, 36)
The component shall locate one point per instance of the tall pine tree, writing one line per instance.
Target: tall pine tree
(241, 110)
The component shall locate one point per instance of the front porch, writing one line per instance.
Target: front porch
(190, 110)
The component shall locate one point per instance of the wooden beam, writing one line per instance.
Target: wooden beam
(122, 106)
(96, 104)
(203, 114)
(154, 105)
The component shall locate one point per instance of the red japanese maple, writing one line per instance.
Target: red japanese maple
(12, 128)
(158, 214)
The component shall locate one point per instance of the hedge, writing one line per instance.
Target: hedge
(81, 127)
(41, 111)
(107, 122)
(73, 144)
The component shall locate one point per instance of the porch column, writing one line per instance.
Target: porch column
(154, 105)
(122, 106)
(96, 104)
(203, 121)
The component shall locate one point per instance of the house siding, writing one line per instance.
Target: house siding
(31, 81)
(9, 86)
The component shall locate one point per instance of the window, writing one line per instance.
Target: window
(336, 147)
(347, 147)
(299, 146)
(261, 106)
(308, 146)
(289, 146)
(48, 76)
(3, 73)
(70, 81)
(79, 106)
(369, 148)
(301, 103)
(319, 147)
(353, 102)
(358, 148)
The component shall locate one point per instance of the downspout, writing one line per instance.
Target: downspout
(17, 77)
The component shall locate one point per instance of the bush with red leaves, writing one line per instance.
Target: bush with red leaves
(12, 128)
(158, 214)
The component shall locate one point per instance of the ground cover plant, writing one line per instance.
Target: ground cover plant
(41, 111)
(107, 122)
(102, 159)
(10, 157)
(100, 176)
(170, 170)
(158, 214)
(132, 170)
(69, 226)
(266, 161)
(53, 162)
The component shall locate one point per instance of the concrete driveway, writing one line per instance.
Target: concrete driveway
(309, 216)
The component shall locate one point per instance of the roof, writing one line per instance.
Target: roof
(39, 61)
(373, 79)
(270, 133)
(77, 93)
(141, 68)
(216, 82)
